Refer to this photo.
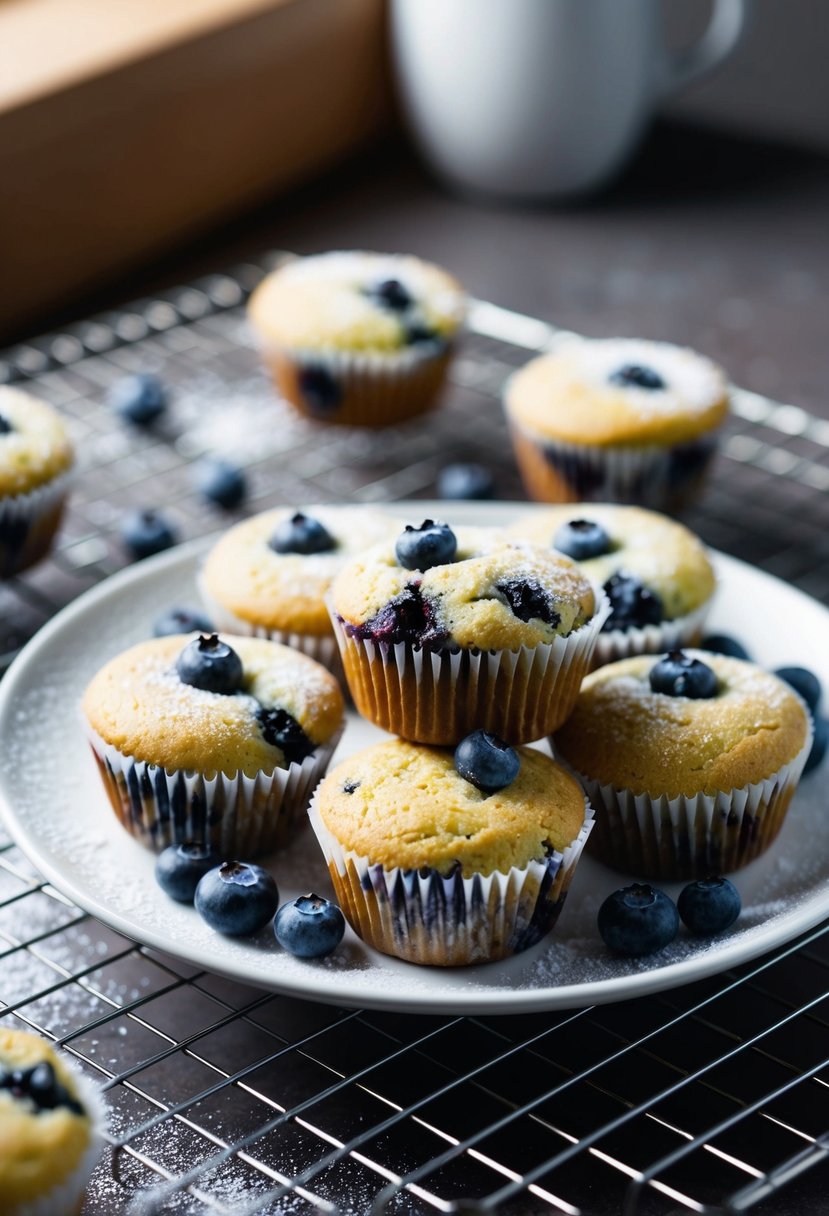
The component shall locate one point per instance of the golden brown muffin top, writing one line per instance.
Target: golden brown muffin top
(34, 444)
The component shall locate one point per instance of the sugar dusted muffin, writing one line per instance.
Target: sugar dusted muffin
(201, 738)
(356, 338)
(616, 420)
(690, 761)
(430, 868)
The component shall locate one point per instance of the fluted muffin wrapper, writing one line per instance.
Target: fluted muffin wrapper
(237, 815)
(28, 523)
(684, 630)
(440, 696)
(690, 836)
(422, 916)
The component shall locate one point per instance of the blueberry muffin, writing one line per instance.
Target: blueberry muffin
(443, 632)
(358, 339)
(198, 739)
(616, 420)
(655, 572)
(431, 868)
(690, 761)
(35, 459)
(50, 1122)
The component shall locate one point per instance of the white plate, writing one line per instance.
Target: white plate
(54, 806)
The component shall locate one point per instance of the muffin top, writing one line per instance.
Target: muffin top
(34, 445)
(618, 391)
(625, 734)
(274, 569)
(357, 301)
(45, 1127)
(400, 804)
(493, 593)
(662, 555)
(283, 706)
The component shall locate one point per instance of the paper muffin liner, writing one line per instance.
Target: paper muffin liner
(690, 836)
(238, 816)
(440, 920)
(682, 631)
(439, 697)
(28, 522)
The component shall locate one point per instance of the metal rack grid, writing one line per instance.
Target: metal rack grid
(711, 1098)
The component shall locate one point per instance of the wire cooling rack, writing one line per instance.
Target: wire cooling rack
(713, 1098)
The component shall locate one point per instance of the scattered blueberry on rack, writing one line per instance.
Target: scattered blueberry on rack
(220, 482)
(309, 926)
(139, 399)
(146, 532)
(466, 482)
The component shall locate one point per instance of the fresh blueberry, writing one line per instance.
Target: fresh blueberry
(390, 293)
(636, 376)
(221, 482)
(181, 620)
(301, 534)
(144, 533)
(282, 730)
(632, 604)
(529, 601)
(210, 664)
(179, 868)
(582, 539)
(722, 643)
(486, 761)
(819, 744)
(5, 426)
(432, 544)
(678, 675)
(309, 926)
(237, 898)
(638, 919)
(467, 482)
(320, 390)
(139, 399)
(803, 681)
(709, 905)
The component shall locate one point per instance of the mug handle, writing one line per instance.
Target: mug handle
(720, 38)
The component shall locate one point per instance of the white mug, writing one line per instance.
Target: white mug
(540, 98)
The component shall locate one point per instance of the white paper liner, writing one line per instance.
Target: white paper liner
(439, 697)
(422, 917)
(239, 816)
(682, 631)
(30, 513)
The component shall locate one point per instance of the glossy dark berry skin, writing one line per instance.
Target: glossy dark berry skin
(139, 399)
(181, 620)
(6, 427)
(635, 375)
(220, 482)
(282, 730)
(236, 898)
(466, 483)
(432, 544)
(320, 391)
(144, 533)
(390, 293)
(678, 675)
(804, 682)
(180, 867)
(709, 906)
(582, 539)
(819, 745)
(210, 664)
(309, 927)
(632, 604)
(637, 920)
(723, 643)
(486, 761)
(301, 534)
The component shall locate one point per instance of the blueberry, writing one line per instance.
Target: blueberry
(282, 730)
(638, 919)
(467, 482)
(722, 643)
(410, 618)
(529, 601)
(632, 604)
(417, 334)
(144, 533)
(803, 681)
(636, 376)
(819, 745)
(180, 866)
(210, 664)
(40, 1085)
(709, 905)
(349, 787)
(390, 293)
(582, 539)
(139, 399)
(220, 482)
(678, 675)
(236, 897)
(301, 534)
(318, 387)
(5, 426)
(309, 926)
(432, 544)
(181, 620)
(486, 761)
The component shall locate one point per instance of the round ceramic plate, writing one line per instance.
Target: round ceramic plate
(54, 806)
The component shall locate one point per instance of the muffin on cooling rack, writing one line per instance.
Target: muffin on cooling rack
(35, 459)
(356, 338)
(690, 761)
(438, 867)
(200, 739)
(616, 420)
